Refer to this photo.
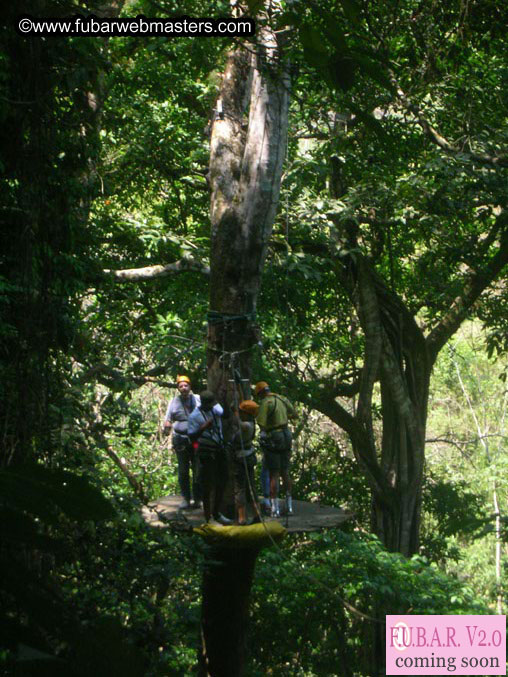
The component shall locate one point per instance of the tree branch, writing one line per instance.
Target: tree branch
(122, 465)
(441, 141)
(115, 379)
(365, 452)
(474, 285)
(370, 320)
(435, 137)
(158, 271)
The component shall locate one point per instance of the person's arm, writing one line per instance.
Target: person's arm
(167, 419)
(245, 426)
(218, 409)
(261, 418)
(196, 427)
(290, 410)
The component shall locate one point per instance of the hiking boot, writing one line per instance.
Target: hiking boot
(222, 519)
(184, 505)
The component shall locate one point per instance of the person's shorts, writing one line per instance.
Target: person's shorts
(277, 460)
(277, 450)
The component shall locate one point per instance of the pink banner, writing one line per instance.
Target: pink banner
(440, 645)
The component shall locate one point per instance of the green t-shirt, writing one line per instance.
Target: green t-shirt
(273, 412)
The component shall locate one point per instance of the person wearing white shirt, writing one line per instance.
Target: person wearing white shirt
(176, 420)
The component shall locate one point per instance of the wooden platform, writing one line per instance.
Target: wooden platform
(307, 516)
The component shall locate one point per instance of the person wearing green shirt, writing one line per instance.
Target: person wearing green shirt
(276, 441)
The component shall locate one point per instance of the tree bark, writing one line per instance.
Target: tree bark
(248, 146)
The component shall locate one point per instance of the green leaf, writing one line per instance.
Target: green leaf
(351, 10)
(18, 528)
(374, 69)
(314, 58)
(104, 646)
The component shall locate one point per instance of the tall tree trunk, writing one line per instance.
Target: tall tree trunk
(396, 356)
(248, 145)
(404, 376)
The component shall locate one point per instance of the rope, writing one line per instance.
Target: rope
(233, 352)
(214, 317)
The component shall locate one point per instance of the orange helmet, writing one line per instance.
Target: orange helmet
(260, 386)
(249, 407)
(181, 378)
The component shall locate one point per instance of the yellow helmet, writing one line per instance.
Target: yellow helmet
(181, 378)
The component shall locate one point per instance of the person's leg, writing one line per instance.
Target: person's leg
(239, 490)
(265, 483)
(220, 480)
(272, 460)
(286, 480)
(265, 480)
(250, 483)
(286, 477)
(206, 474)
(250, 488)
(183, 457)
(274, 483)
(274, 492)
(197, 491)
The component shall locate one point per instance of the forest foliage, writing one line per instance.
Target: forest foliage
(396, 157)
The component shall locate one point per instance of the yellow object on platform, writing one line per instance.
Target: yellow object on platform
(253, 536)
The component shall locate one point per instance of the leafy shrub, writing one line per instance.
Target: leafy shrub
(314, 601)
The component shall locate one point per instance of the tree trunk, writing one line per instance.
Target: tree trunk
(248, 146)
(396, 356)
(227, 580)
